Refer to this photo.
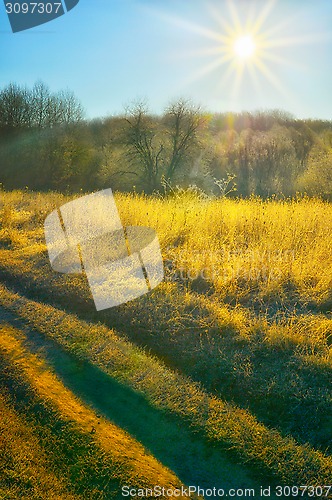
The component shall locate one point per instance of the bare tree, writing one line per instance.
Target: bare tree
(21, 108)
(183, 122)
(40, 104)
(69, 109)
(162, 147)
(145, 143)
(15, 110)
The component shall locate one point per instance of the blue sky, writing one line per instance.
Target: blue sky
(111, 52)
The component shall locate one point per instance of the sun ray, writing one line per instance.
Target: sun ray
(243, 46)
(272, 78)
(210, 51)
(297, 40)
(208, 68)
(229, 29)
(235, 16)
(238, 79)
(190, 26)
(263, 16)
(254, 78)
(282, 25)
(269, 56)
(231, 69)
(250, 18)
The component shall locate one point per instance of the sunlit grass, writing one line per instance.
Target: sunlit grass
(245, 309)
(25, 466)
(128, 460)
(244, 246)
(278, 250)
(164, 389)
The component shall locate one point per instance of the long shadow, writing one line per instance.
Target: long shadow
(293, 419)
(195, 460)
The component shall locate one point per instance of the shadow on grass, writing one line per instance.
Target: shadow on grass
(195, 460)
(291, 412)
(70, 454)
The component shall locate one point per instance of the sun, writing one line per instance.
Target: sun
(244, 47)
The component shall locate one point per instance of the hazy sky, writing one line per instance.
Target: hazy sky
(111, 52)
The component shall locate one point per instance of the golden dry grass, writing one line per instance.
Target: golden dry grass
(129, 459)
(25, 462)
(245, 311)
(167, 390)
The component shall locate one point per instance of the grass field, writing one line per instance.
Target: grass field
(221, 376)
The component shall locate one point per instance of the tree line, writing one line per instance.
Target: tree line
(45, 143)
